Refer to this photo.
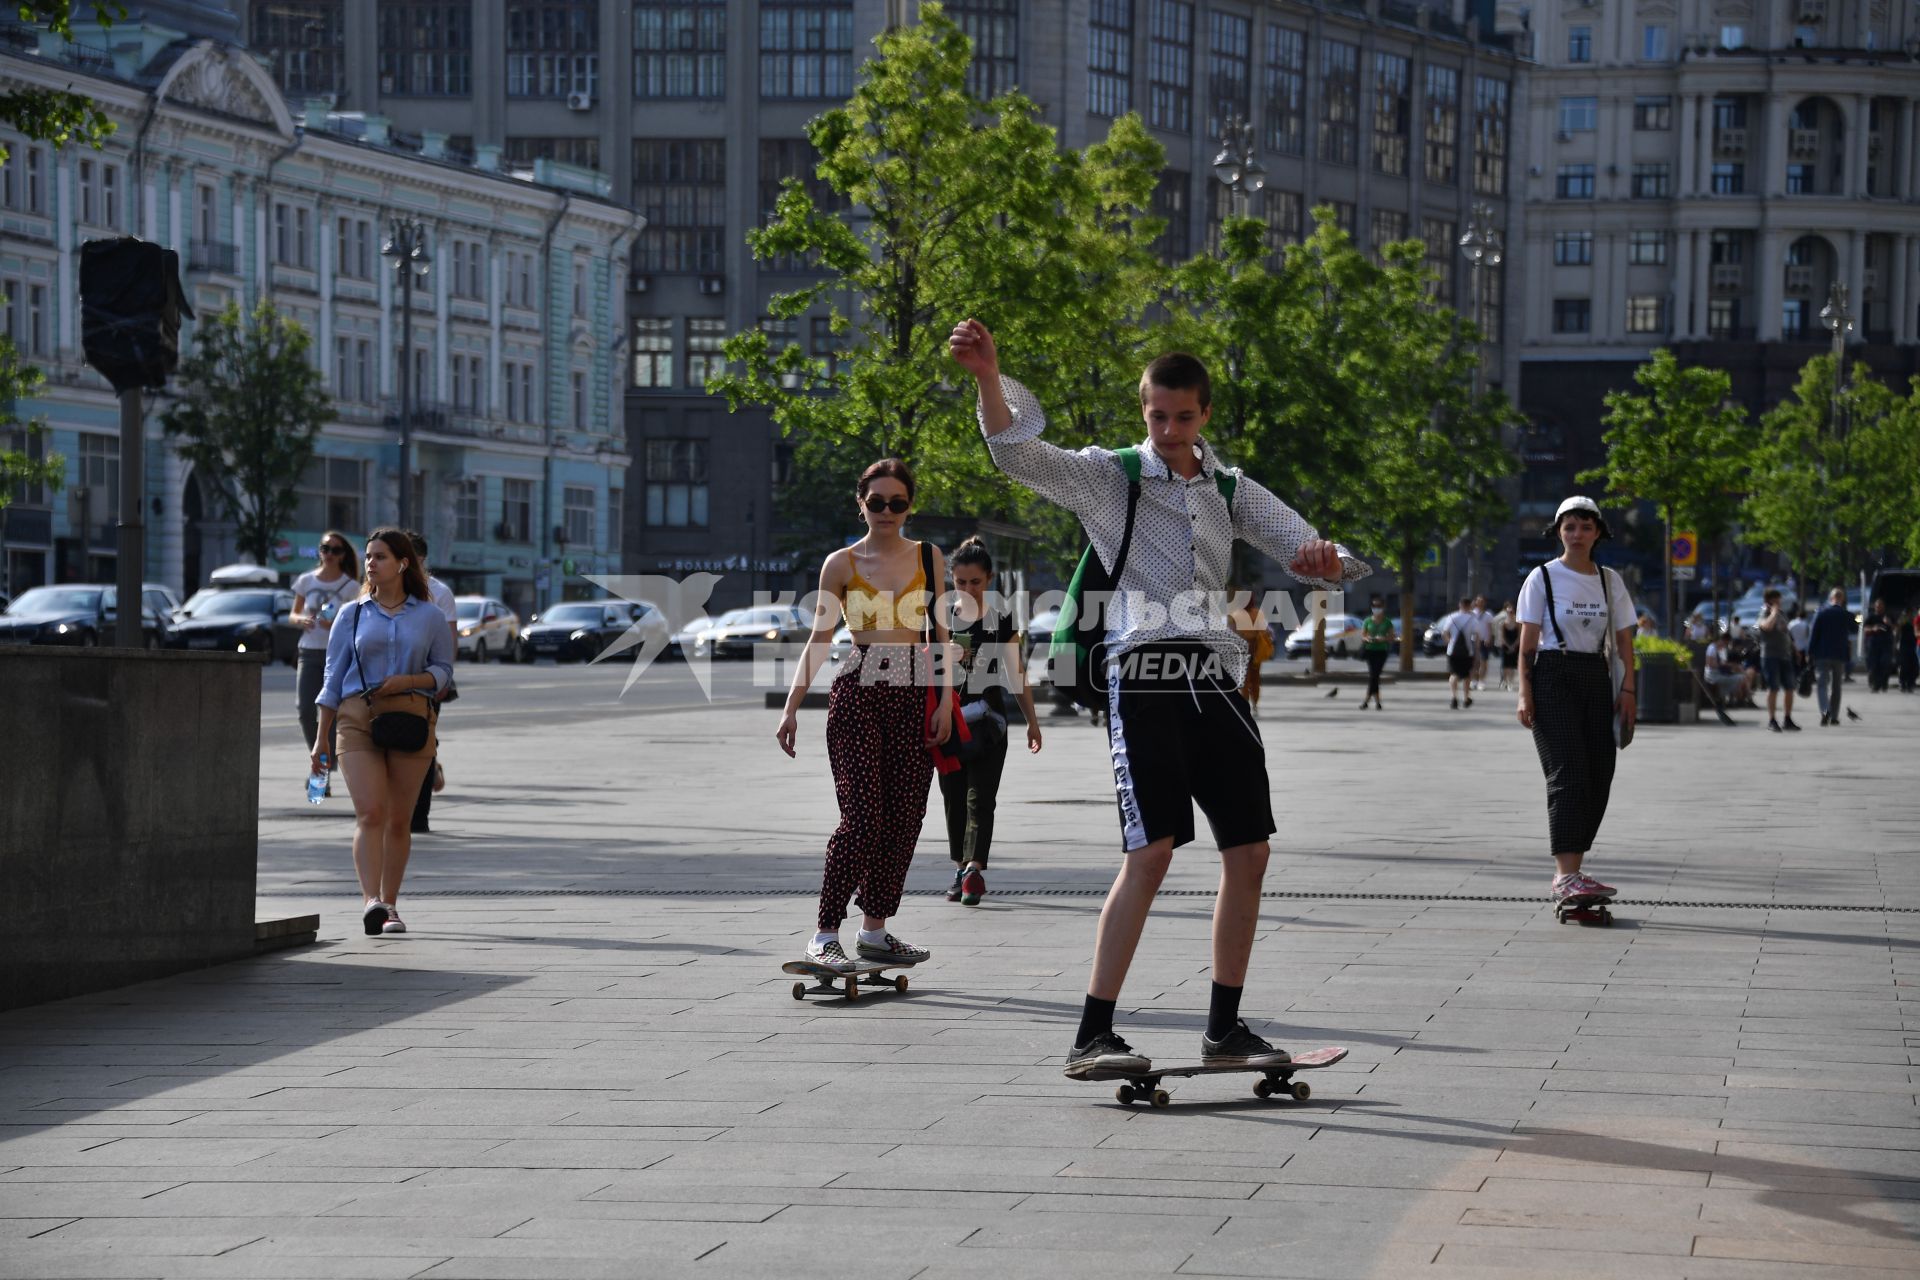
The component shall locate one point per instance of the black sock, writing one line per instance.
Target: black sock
(1225, 1011)
(1095, 1019)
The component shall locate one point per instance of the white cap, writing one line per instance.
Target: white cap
(1577, 503)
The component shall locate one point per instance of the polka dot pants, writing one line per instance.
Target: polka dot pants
(876, 742)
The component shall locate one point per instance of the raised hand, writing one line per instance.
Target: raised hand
(1317, 559)
(972, 348)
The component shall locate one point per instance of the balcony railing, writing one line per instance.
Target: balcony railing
(446, 419)
(1730, 142)
(1803, 144)
(1799, 279)
(211, 255)
(1729, 277)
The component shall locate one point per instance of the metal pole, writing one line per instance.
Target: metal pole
(132, 533)
(406, 381)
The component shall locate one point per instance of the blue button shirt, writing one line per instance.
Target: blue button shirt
(414, 641)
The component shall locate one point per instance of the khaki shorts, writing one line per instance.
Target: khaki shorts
(354, 731)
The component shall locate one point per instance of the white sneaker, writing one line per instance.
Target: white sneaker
(394, 923)
(829, 954)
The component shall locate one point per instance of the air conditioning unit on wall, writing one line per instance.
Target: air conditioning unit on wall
(578, 101)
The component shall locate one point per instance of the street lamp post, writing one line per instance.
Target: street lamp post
(1237, 167)
(1839, 322)
(1482, 245)
(406, 249)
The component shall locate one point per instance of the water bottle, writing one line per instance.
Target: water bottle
(328, 610)
(317, 782)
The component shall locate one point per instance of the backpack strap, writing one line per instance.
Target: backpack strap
(1553, 614)
(1129, 463)
(926, 573)
(1227, 481)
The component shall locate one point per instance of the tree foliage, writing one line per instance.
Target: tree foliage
(250, 409)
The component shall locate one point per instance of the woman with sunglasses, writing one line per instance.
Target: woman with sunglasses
(879, 728)
(318, 595)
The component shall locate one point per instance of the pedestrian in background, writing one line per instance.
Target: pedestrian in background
(1776, 660)
(987, 663)
(1257, 635)
(1876, 633)
(1830, 644)
(318, 596)
(1462, 632)
(1376, 641)
(442, 597)
(880, 727)
(1483, 642)
(388, 653)
(1509, 634)
(1907, 641)
(1569, 607)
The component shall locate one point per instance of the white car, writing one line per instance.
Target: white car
(681, 643)
(485, 628)
(739, 632)
(1343, 637)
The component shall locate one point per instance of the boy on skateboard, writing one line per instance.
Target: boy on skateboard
(1179, 730)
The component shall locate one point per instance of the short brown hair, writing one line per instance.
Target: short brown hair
(1177, 371)
(886, 469)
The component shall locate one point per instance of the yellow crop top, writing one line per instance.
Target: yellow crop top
(869, 609)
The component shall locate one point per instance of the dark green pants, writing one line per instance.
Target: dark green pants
(970, 793)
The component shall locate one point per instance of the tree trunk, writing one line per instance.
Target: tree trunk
(1409, 574)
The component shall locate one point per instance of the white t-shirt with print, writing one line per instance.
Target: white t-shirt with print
(1581, 607)
(318, 595)
(442, 596)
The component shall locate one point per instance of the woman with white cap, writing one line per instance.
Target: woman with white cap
(1569, 610)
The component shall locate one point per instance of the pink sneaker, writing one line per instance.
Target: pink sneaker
(1579, 885)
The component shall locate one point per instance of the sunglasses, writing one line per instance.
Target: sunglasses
(336, 549)
(899, 506)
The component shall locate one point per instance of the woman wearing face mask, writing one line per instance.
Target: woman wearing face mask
(879, 729)
(1376, 642)
(1569, 608)
(988, 662)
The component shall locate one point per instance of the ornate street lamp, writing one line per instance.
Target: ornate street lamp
(1482, 245)
(1839, 322)
(406, 251)
(1237, 166)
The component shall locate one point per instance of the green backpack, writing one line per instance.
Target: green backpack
(1079, 638)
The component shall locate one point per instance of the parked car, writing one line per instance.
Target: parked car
(254, 620)
(680, 643)
(578, 630)
(736, 638)
(485, 628)
(1343, 637)
(80, 616)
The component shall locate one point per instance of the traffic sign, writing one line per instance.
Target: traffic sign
(1683, 572)
(1685, 550)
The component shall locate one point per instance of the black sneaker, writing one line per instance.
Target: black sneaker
(1773, 726)
(1105, 1052)
(1240, 1048)
(1790, 726)
(953, 890)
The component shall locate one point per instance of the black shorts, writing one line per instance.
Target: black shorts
(1181, 734)
(1460, 662)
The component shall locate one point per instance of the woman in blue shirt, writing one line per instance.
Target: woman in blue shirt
(392, 645)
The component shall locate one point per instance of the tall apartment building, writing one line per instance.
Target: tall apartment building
(1698, 174)
(1399, 115)
(519, 436)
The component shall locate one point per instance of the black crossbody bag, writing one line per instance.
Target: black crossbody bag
(396, 725)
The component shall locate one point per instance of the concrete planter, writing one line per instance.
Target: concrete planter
(129, 819)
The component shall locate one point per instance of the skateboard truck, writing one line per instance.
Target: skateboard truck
(1276, 1080)
(1587, 911)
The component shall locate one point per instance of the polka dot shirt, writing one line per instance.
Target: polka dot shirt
(1183, 531)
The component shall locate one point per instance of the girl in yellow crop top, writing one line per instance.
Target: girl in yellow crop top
(879, 726)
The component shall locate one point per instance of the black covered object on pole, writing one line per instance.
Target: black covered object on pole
(130, 308)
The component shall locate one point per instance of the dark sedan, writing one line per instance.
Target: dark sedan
(576, 630)
(246, 621)
(81, 616)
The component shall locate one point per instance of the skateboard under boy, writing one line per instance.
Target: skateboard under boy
(1584, 908)
(846, 982)
(1144, 1086)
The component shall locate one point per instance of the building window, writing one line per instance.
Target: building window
(1392, 112)
(523, 151)
(516, 511)
(1647, 248)
(100, 184)
(1286, 91)
(1286, 221)
(469, 278)
(1729, 113)
(1729, 178)
(1572, 315)
(1439, 235)
(1723, 317)
(302, 40)
(469, 374)
(1725, 248)
(518, 379)
(1579, 44)
(1579, 115)
(577, 390)
(426, 48)
(680, 50)
(293, 236)
(23, 179)
(1653, 42)
(1443, 124)
(806, 50)
(1572, 248)
(1794, 313)
(1344, 216)
(823, 344)
(206, 213)
(782, 336)
(1339, 101)
(23, 315)
(1388, 226)
(681, 187)
(705, 337)
(1801, 180)
(519, 279)
(579, 288)
(993, 26)
(1170, 65)
(353, 248)
(1733, 37)
(1652, 112)
(1110, 58)
(652, 352)
(1490, 136)
(1170, 203)
(331, 494)
(1229, 70)
(784, 159)
(580, 506)
(1646, 313)
(616, 517)
(1652, 181)
(469, 496)
(1574, 182)
(677, 484)
(553, 48)
(34, 446)
(353, 369)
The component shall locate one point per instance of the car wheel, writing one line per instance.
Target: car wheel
(480, 652)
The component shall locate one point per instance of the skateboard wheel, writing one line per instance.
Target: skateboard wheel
(1124, 1096)
(1263, 1088)
(799, 991)
(1161, 1098)
(853, 990)
(900, 982)
(1301, 1091)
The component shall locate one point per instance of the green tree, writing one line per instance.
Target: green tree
(56, 116)
(957, 208)
(1681, 444)
(249, 410)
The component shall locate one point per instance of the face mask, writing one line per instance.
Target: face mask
(1379, 613)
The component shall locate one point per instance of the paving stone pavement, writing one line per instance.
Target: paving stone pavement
(584, 1061)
